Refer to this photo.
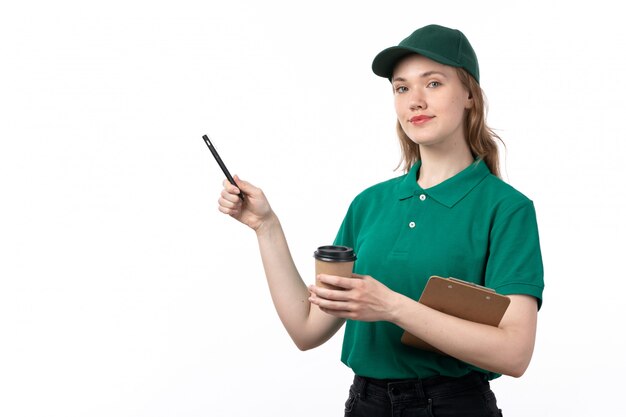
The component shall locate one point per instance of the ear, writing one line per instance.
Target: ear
(469, 102)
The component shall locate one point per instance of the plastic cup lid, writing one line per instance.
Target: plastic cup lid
(333, 253)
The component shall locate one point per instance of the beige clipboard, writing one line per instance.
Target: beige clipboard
(461, 299)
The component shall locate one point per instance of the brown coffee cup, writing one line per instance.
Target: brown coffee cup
(333, 260)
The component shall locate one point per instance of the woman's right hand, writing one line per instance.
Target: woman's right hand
(253, 211)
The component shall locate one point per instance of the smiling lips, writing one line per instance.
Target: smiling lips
(419, 120)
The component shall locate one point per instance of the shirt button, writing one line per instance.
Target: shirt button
(412, 225)
(422, 197)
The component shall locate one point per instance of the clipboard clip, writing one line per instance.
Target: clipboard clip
(460, 281)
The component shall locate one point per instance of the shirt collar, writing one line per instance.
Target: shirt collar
(449, 192)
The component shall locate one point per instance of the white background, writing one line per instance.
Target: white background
(124, 292)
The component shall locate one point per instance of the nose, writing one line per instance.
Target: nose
(417, 100)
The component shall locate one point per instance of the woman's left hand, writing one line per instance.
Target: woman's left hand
(361, 298)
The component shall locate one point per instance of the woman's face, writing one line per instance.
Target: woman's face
(430, 101)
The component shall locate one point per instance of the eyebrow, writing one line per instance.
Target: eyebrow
(423, 75)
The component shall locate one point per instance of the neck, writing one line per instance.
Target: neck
(440, 165)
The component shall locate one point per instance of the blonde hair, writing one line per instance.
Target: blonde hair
(481, 139)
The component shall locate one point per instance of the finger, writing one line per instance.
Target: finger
(336, 310)
(230, 188)
(228, 196)
(328, 294)
(243, 185)
(231, 212)
(322, 301)
(247, 188)
(338, 313)
(226, 203)
(342, 282)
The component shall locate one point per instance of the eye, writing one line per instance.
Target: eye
(433, 84)
(400, 89)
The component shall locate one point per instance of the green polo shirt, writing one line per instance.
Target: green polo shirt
(472, 226)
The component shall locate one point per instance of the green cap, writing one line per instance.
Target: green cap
(444, 45)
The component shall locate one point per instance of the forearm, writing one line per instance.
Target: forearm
(506, 349)
(306, 325)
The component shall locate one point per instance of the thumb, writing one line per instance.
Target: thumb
(244, 186)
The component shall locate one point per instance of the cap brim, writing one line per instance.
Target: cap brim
(386, 60)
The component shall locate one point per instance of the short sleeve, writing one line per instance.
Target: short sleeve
(346, 233)
(514, 263)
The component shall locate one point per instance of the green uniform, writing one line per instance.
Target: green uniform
(472, 226)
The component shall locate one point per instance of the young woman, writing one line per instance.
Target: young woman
(450, 215)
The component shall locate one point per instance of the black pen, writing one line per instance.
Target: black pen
(221, 163)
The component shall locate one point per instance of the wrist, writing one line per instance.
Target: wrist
(266, 226)
(397, 307)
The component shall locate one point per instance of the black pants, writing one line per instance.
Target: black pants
(467, 396)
